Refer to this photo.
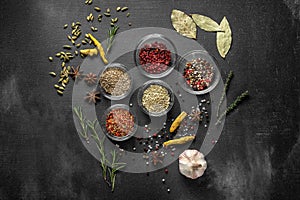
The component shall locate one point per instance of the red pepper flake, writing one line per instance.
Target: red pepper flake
(155, 58)
(119, 122)
(166, 171)
(198, 74)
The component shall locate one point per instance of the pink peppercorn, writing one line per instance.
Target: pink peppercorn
(155, 58)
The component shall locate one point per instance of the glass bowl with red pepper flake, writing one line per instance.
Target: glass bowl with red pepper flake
(155, 56)
(156, 98)
(199, 72)
(119, 122)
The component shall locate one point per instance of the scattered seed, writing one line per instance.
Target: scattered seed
(124, 9)
(112, 24)
(73, 42)
(94, 29)
(108, 10)
(63, 64)
(107, 14)
(78, 23)
(129, 24)
(60, 92)
(57, 55)
(64, 85)
(65, 26)
(67, 47)
(128, 14)
(97, 8)
(118, 8)
(76, 53)
(56, 86)
(50, 59)
(61, 88)
(52, 74)
(83, 42)
(78, 45)
(88, 2)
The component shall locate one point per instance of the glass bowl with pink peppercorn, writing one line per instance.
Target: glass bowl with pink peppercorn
(200, 73)
(155, 56)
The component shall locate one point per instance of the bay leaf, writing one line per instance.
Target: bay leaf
(224, 38)
(206, 23)
(183, 24)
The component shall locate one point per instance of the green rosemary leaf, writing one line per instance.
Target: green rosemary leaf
(233, 106)
(226, 87)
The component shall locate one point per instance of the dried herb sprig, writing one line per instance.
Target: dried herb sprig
(81, 118)
(111, 36)
(232, 106)
(100, 146)
(226, 87)
(115, 166)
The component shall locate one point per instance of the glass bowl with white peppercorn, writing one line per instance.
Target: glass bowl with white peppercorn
(200, 74)
(156, 98)
(115, 81)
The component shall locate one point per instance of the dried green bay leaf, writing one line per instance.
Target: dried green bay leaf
(224, 38)
(183, 24)
(206, 23)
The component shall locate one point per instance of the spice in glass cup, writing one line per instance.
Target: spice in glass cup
(198, 74)
(115, 81)
(119, 122)
(156, 99)
(155, 58)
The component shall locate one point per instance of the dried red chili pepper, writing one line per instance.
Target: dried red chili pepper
(155, 58)
(119, 122)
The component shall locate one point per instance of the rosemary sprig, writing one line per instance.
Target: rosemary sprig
(232, 106)
(111, 36)
(100, 146)
(81, 118)
(226, 87)
(115, 166)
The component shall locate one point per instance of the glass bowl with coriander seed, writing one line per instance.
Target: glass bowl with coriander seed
(119, 123)
(155, 56)
(155, 98)
(200, 74)
(115, 81)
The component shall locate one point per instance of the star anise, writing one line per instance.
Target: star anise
(90, 78)
(156, 157)
(92, 96)
(196, 114)
(76, 73)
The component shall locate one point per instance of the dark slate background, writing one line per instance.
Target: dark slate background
(257, 156)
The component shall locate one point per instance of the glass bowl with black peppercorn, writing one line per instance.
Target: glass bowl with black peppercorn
(115, 81)
(119, 122)
(155, 56)
(156, 98)
(200, 74)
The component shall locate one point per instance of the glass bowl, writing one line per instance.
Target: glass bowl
(114, 137)
(145, 87)
(206, 77)
(119, 91)
(153, 43)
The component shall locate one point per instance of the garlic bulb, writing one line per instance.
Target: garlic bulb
(192, 164)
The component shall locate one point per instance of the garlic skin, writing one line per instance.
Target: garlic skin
(192, 163)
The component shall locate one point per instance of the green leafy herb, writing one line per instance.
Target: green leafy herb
(111, 36)
(234, 105)
(81, 118)
(226, 87)
(115, 165)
